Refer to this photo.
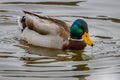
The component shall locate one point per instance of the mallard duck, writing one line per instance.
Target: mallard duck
(54, 33)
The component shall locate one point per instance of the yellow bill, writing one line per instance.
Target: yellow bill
(87, 39)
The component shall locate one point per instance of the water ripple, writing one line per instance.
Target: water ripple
(74, 3)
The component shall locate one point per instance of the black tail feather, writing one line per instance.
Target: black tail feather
(23, 23)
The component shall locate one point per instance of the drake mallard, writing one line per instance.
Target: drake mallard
(54, 33)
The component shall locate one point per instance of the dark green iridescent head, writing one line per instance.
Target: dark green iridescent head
(77, 29)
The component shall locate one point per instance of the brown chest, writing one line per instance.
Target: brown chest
(74, 45)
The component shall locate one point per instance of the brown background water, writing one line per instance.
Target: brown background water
(102, 62)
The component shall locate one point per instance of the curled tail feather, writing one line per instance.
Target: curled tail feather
(22, 23)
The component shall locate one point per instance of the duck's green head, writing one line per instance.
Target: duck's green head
(79, 30)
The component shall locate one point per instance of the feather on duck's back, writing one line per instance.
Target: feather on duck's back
(60, 23)
(46, 25)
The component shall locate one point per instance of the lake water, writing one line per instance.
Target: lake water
(102, 62)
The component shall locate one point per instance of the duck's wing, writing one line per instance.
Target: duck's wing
(46, 25)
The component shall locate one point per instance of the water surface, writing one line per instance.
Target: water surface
(102, 62)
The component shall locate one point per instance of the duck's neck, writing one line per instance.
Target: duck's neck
(74, 39)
